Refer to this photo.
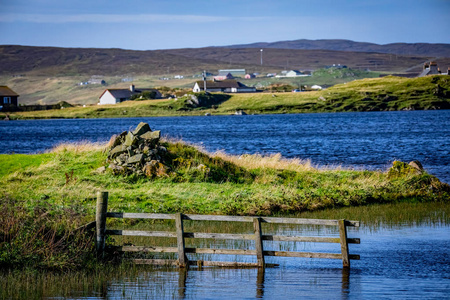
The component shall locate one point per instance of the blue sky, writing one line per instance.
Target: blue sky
(154, 24)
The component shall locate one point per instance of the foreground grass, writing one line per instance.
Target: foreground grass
(374, 94)
(45, 197)
(248, 184)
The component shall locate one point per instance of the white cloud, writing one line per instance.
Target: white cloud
(118, 18)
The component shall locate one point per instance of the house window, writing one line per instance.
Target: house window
(6, 100)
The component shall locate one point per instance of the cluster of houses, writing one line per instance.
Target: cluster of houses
(223, 82)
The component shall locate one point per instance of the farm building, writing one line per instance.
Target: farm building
(234, 72)
(8, 97)
(227, 86)
(114, 96)
(431, 68)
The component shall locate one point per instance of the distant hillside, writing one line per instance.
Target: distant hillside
(423, 49)
(306, 59)
(52, 61)
(91, 61)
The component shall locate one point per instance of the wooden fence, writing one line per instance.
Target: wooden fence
(258, 237)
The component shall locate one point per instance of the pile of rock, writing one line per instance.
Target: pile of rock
(138, 152)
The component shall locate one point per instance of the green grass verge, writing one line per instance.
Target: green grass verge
(376, 94)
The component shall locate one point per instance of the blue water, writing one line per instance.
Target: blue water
(370, 140)
(404, 262)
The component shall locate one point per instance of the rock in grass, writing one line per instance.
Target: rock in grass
(151, 135)
(101, 170)
(130, 139)
(117, 151)
(135, 159)
(141, 129)
(116, 140)
(400, 169)
(416, 165)
(155, 169)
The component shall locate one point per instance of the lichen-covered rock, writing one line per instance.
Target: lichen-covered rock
(151, 135)
(117, 170)
(130, 139)
(117, 140)
(135, 159)
(155, 168)
(117, 151)
(141, 129)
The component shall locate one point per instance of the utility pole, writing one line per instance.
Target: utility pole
(204, 80)
(261, 57)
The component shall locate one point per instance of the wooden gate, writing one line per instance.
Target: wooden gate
(258, 237)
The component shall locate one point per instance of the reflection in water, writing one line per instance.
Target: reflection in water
(403, 262)
(182, 275)
(260, 283)
(345, 283)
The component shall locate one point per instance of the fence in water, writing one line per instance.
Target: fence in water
(257, 236)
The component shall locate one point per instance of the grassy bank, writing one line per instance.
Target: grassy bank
(377, 94)
(45, 197)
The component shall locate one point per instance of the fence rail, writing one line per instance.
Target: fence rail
(258, 237)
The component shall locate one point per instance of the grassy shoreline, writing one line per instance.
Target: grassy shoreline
(375, 94)
(45, 197)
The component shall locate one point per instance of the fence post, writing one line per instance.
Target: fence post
(344, 244)
(182, 259)
(100, 219)
(258, 242)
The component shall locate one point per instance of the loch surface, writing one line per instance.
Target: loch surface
(369, 140)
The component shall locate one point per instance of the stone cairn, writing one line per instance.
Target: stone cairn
(138, 152)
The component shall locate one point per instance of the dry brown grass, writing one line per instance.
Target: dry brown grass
(273, 161)
(83, 146)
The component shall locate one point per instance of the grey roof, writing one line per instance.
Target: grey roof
(221, 84)
(126, 93)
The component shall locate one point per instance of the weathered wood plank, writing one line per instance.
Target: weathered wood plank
(152, 249)
(344, 245)
(141, 233)
(299, 221)
(258, 242)
(230, 252)
(221, 251)
(219, 236)
(157, 262)
(182, 258)
(227, 264)
(231, 236)
(303, 254)
(122, 215)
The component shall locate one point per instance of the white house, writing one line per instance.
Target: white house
(226, 86)
(292, 73)
(114, 96)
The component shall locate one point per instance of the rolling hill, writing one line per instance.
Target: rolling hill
(422, 49)
(53, 61)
